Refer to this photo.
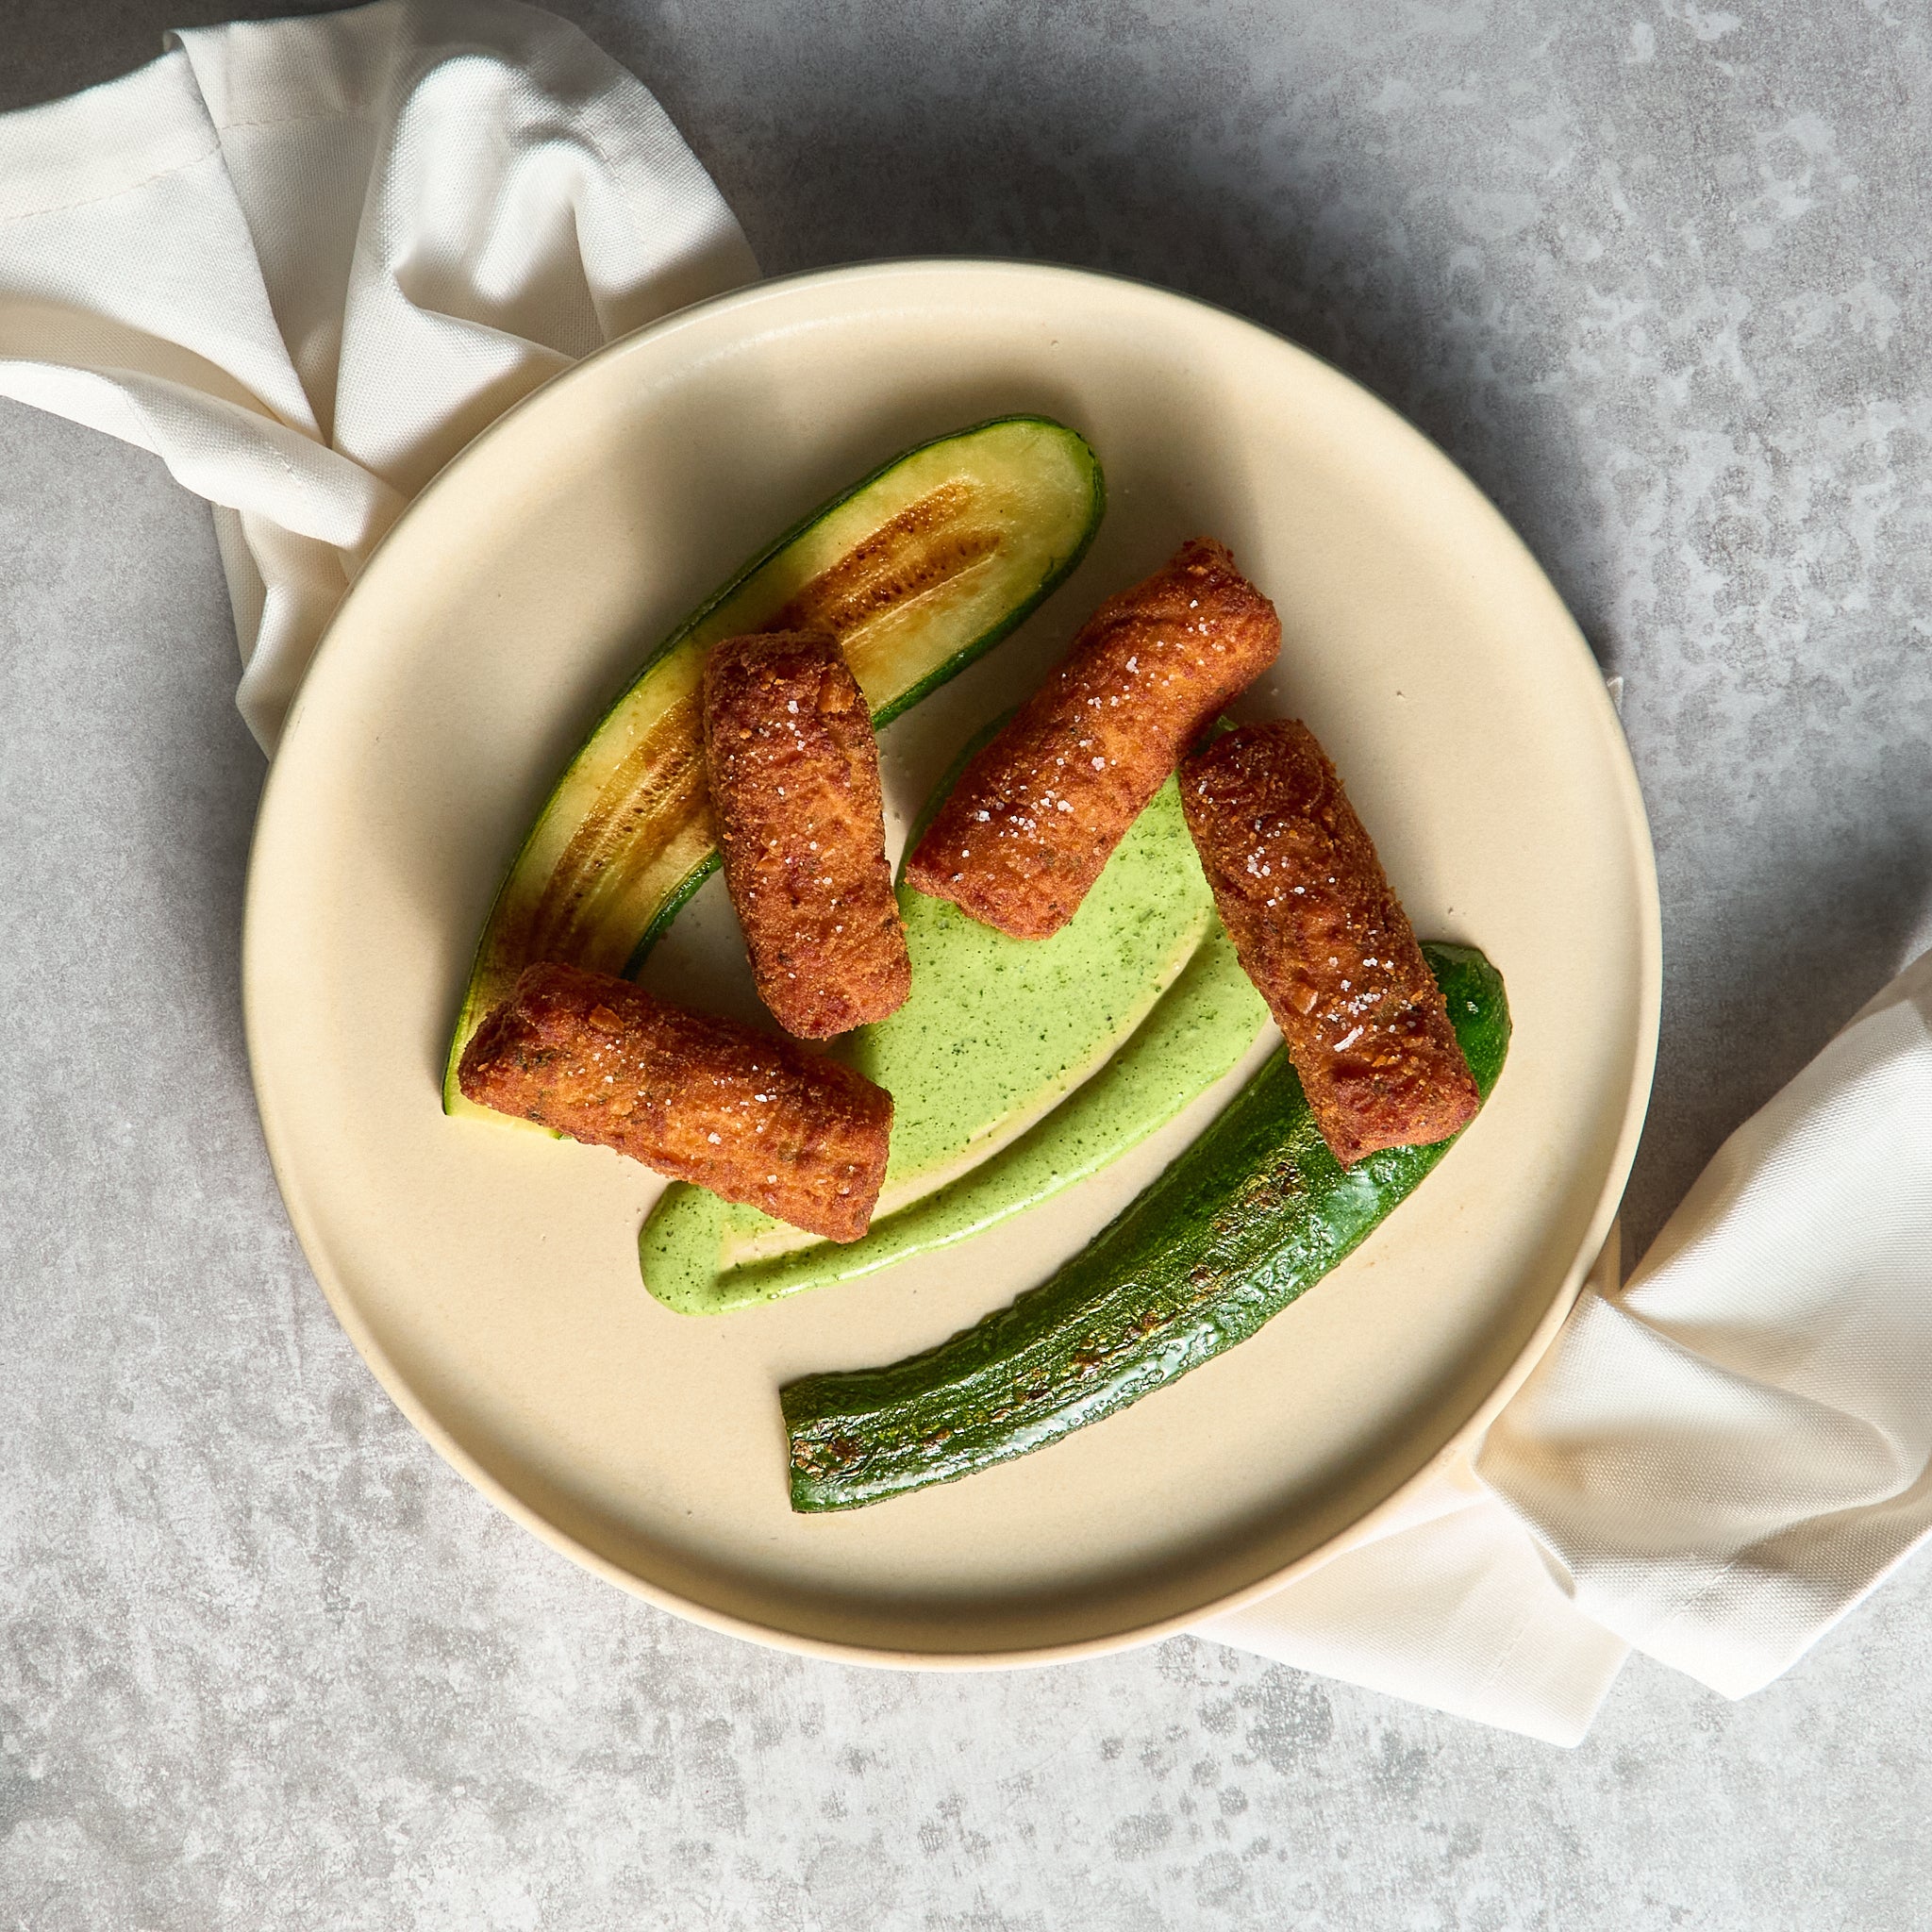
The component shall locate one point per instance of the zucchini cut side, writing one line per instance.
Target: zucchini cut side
(916, 571)
(1249, 1218)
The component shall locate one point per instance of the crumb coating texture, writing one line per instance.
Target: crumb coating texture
(1304, 898)
(752, 1117)
(1037, 815)
(794, 771)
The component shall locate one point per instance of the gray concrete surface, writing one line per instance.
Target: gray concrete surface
(1656, 277)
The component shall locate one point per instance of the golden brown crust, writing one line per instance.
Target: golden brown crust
(1305, 900)
(747, 1114)
(793, 769)
(1037, 815)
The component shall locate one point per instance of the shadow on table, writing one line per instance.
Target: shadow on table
(1810, 931)
(1176, 176)
(54, 47)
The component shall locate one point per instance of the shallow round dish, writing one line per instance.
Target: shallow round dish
(490, 1278)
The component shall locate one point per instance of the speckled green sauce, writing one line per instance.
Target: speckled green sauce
(1134, 1008)
(997, 1030)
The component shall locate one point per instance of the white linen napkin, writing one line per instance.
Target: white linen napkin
(1712, 1465)
(304, 262)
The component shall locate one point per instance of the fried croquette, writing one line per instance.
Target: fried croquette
(1304, 898)
(793, 769)
(751, 1116)
(1037, 813)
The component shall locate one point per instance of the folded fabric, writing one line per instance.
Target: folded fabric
(1712, 1465)
(1732, 1452)
(304, 262)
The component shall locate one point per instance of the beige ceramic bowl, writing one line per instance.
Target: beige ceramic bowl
(490, 1278)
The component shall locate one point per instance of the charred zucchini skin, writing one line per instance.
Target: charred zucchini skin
(620, 944)
(1249, 1218)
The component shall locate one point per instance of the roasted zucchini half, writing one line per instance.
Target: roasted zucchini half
(916, 570)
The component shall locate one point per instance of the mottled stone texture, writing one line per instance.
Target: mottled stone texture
(1656, 275)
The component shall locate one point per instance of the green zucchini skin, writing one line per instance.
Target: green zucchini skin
(1249, 1218)
(883, 715)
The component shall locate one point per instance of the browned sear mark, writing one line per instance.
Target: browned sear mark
(659, 782)
(907, 557)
